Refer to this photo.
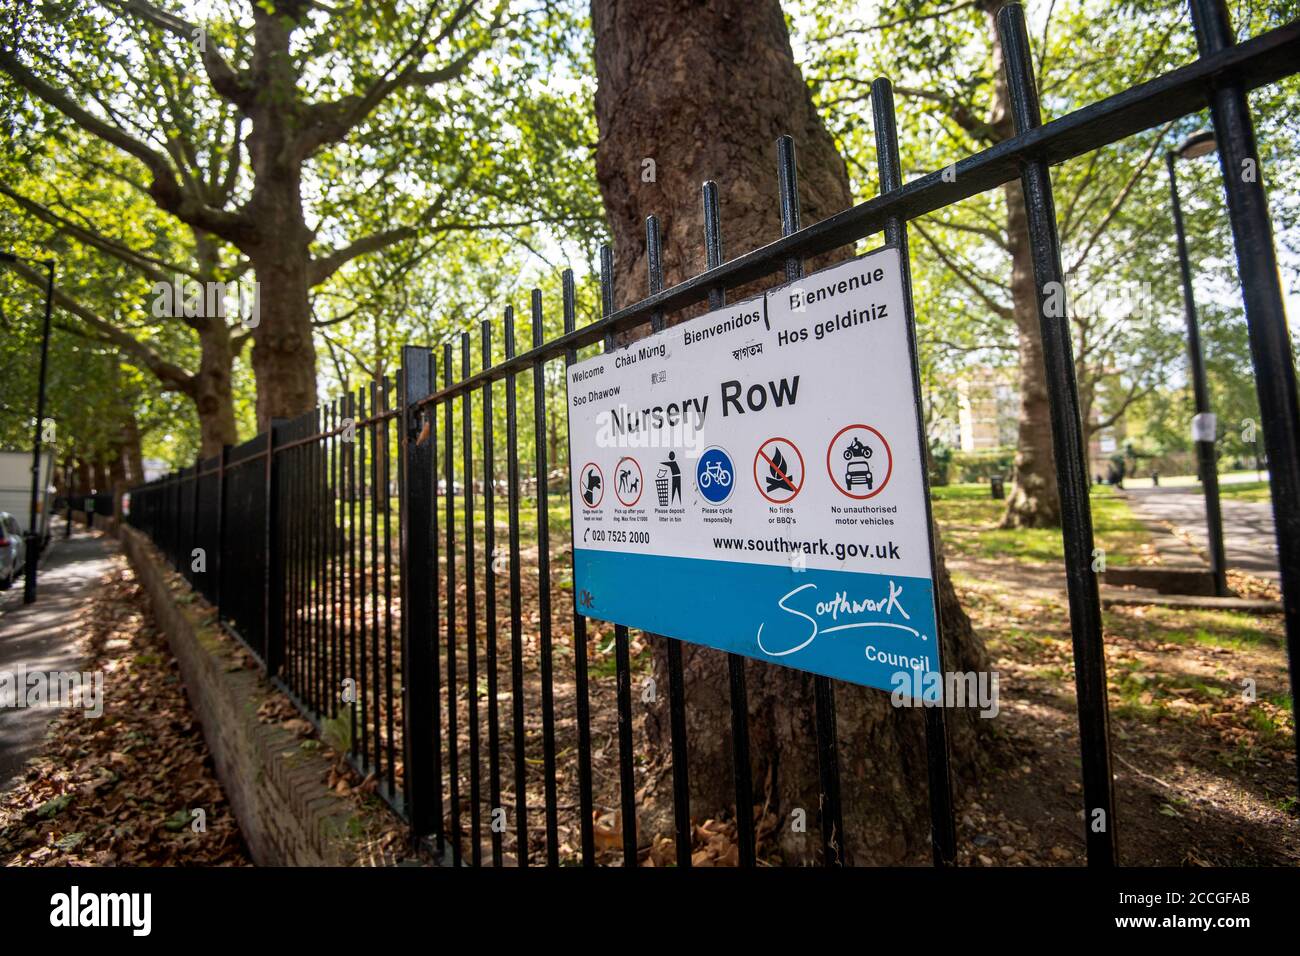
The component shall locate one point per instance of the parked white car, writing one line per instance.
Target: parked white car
(13, 550)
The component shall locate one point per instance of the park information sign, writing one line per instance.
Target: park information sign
(751, 480)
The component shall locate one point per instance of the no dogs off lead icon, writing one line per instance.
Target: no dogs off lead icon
(591, 485)
(859, 461)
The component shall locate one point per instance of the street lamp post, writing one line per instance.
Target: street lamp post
(32, 537)
(1203, 425)
(67, 494)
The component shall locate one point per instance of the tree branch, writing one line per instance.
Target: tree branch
(991, 235)
(1118, 202)
(322, 267)
(996, 307)
(976, 128)
(330, 122)
(1134, 393)
(165, 190)
(172, 376)
(150, 266)
(237, 87)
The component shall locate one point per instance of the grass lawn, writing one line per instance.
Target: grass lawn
(968, 518)
(1246, 491)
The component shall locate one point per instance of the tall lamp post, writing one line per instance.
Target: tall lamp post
(32, 537)
(1203, 424)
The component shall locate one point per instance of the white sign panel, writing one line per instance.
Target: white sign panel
(752, 480)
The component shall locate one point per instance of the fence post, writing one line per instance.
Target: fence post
(221, 526)
(943, 833)
(1071, 457)
(196, 502)
(273, 582)
(418, 622)
(1261, 290)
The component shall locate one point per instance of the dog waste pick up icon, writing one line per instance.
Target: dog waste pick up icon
(628, 483)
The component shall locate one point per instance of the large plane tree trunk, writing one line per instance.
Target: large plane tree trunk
(1034, 501)
(213, 393)
(702, 91)
(284, 354)
(213, 383)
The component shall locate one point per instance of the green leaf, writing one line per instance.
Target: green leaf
(52, 808)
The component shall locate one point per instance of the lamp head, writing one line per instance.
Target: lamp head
(1199, 144)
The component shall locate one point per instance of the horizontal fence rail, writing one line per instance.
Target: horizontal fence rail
(412, 593)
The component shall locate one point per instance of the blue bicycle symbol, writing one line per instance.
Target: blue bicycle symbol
(714, 475)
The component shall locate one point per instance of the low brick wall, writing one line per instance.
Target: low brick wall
(287, 814)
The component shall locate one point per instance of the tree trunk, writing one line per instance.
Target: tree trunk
(101, 479)
(284, 354)
(132, 450)
(213, 398)
(85, 482)
(117, 481)
(1034, 501)
(212, 386)
(703, 91)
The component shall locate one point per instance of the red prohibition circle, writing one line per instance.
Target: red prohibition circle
(803, 472)
(592, 464)
(640, 484)
(888, 472)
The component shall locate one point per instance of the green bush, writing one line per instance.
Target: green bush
(940, 464)
(981, 465)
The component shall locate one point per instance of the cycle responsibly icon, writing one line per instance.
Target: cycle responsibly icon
(859, 461)
(779, 470)
(715, 475)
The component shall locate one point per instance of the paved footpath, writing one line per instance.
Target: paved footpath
(42, 637)
(1249, 542)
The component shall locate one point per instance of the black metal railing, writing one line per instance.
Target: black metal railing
(300, 521)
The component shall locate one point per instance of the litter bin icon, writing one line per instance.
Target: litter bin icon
(662, 486)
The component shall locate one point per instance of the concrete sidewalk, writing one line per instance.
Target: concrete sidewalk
(42, 637)
(1249, 541)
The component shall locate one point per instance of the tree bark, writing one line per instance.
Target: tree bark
(284, 353)
(213, 399)
(212, 384)
(102, 483)
(1034, 501)
(704, 91)
(85, 482)
(132, 450)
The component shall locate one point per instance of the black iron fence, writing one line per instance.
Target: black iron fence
(320, 540)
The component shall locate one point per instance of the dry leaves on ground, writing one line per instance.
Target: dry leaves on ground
(124, 788)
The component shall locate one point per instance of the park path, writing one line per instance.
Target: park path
(43, 637)
(1249, 541)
